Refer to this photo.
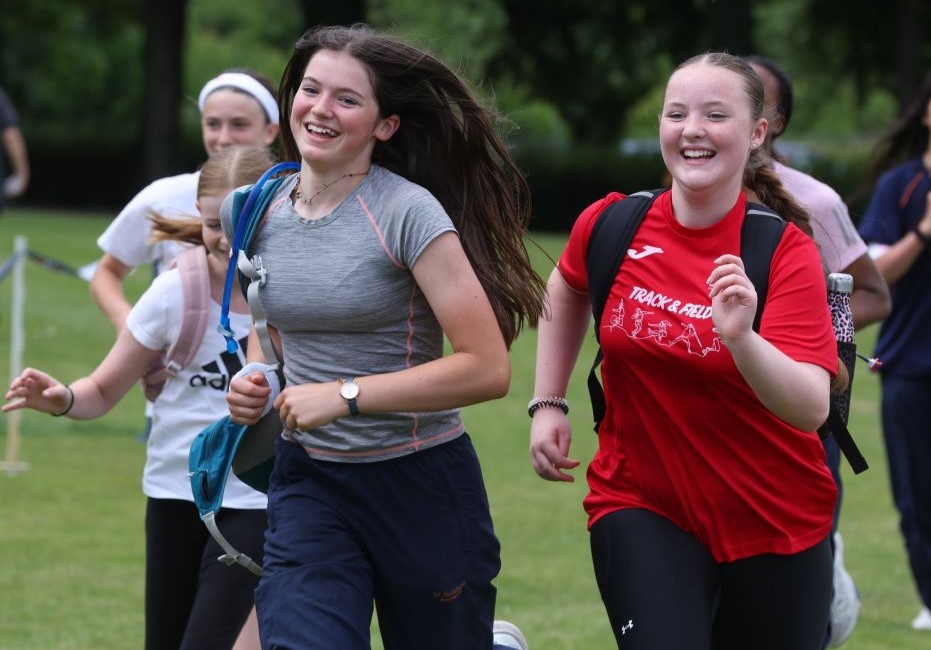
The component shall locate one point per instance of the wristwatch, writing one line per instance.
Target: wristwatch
(349, 391)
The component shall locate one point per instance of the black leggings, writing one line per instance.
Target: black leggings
(193, 601)
(663, 590)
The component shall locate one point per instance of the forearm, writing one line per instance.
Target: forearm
(870, 301)
(898, 258)
(90, 400)
(796, 392)
(561, 333)
(869, 306)
(456, 380)
(107, 290)
(16, 151)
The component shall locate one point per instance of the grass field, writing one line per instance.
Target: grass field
(71, 525)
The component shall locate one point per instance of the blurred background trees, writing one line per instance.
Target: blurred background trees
(107, 88)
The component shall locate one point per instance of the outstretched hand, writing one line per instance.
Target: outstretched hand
(37, 390)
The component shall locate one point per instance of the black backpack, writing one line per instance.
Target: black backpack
(760, 235)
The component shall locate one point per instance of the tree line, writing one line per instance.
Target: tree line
(104, 87)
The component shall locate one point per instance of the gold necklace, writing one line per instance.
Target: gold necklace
(307, 201)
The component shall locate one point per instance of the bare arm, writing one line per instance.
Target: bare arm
(561, 333)
(897, 259)
(107, 289)
(870, 301)
(94, 395)
(796, 392)
(15, 147)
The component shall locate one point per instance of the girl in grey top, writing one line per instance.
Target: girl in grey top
(405, 224)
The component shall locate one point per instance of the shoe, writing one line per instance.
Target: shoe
(923, 620)
(508, 635)
(845, 608)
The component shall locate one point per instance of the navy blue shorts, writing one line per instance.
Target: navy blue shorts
(411, 536)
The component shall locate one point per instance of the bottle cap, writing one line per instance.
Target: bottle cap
(841, 282)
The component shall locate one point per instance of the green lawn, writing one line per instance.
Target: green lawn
(71, 525)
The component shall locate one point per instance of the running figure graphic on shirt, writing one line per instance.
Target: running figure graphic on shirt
(659, 331)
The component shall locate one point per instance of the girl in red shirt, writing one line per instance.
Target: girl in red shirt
(710, 502)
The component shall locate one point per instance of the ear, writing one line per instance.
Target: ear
(759, 133)
(387, 128)
(271, 132)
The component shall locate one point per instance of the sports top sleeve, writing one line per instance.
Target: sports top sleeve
(796, 317)
(8, 116)
(127, 236)
(572, 262)
(884, 221)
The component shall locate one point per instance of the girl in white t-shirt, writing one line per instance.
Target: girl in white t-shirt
(192, 601)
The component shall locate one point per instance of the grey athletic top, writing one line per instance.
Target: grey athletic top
(341, 293)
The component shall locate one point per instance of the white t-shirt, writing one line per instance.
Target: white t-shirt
(837, 237)
(127, 237)
(190, 401)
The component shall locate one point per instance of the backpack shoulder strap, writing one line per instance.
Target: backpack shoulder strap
(245, 218)
(195, 292)
(610, 238)
(760, 235)
(607, 245)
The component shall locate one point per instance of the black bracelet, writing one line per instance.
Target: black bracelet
(67, 408)
(925, 239)
(538, 403)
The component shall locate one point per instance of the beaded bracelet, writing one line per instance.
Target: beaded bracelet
(67, 408)
(538, 403)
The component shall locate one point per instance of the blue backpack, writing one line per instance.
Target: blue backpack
(247, 450)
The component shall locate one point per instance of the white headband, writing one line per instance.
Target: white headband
(246, 84)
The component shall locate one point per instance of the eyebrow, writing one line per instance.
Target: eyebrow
(343, 89)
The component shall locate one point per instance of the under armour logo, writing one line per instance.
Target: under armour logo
(628, 626)
(647, 250)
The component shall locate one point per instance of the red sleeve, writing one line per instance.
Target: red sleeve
(572, 262)
(796, 318)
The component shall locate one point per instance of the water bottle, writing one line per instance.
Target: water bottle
(840, 286)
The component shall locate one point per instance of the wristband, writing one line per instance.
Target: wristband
(271, 377)
(925, 239)
(67, 408)
(538, 403)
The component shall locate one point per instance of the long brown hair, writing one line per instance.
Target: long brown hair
(446, 143)
(905, 138)
(231, 167)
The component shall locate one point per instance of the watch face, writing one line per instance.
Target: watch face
(349, 390)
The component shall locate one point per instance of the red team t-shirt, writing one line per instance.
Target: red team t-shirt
(684, 435)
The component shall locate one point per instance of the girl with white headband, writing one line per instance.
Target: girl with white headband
(237, 107)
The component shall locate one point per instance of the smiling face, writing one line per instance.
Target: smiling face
(234, 117)
(707, 128)
(335, 118)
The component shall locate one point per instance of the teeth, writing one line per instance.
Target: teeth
(697, 154)
(320, 130)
